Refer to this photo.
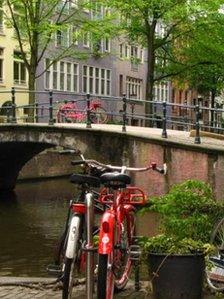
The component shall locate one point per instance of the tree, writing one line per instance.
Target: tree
(141, 20)
(37, 23)
(203, 58)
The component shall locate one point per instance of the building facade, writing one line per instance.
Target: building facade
(116, 69)
(13, 72)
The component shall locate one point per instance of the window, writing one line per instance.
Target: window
(96, 80)
(126, 51)
(62, 38)
(19, 69)
(97, 11)
(61, 75)
(106, 44)
(75, 77)
(86, 40)
(135, 53)
(121, 54)
(1, 64)
(74, 35)
(134, 88)
(1, 15)
(134, 58)
(55, 75)
(161, 91)
(69, 76)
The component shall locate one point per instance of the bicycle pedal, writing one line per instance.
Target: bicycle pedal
(135, 252)
(54, 270)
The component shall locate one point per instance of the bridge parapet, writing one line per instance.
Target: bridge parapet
(137, 147)
(58, 107)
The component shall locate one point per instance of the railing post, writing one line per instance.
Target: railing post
(36, 112)
(132, 114)
(51, 119)
(88, 120)
(185, 116)
(154, 121)
(13, 118)
(164, 132)
(124, 113)
(197, 139)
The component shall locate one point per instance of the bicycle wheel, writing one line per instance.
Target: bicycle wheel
(60, 117)
(71, 256)
(122, 260)
(105, 280)
(215, 269)
(114, 269)
(98, 115)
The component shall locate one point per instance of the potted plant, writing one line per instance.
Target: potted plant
(176, 257)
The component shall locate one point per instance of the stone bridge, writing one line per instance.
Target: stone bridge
(138, 147)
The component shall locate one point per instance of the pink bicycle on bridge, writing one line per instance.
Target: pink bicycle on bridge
(70, 113)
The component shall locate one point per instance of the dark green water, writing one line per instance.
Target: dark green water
(31, 219)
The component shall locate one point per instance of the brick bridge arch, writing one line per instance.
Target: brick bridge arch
(139, 146)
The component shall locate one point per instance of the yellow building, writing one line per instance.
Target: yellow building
(12, 71)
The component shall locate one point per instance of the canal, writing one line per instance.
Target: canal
(31, 219)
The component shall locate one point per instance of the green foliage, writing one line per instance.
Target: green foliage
(171, 245)
(188, 213)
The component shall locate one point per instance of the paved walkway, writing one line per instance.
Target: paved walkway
(45, 288)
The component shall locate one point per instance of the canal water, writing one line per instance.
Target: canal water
(31, 220)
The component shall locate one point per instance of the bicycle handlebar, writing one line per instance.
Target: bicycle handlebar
(152, 166)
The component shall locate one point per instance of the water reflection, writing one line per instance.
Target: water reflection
(31, 219)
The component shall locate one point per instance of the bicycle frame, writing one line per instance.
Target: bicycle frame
(70, 110)
(122, 203)
(81, 211)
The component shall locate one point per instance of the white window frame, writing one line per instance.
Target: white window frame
(134, 88)
(100, 12)
(1, 18)
(1, 65)
(106, 45)
(74, 36)
(21, 65)
(55, 69)
(101, 82)
(64, 38)
(162, 91)
(86, 40)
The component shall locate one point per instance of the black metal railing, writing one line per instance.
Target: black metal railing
(120, 110)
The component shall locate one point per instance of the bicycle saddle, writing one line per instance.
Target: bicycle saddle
(115, 179)
(81, 179)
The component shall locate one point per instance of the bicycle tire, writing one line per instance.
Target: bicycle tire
(123, 265)
(105, 279)
(114, 268)
(98, 115)
(70, 263)
(215, 272)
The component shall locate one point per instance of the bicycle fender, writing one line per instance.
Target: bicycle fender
(73, 237)
(106, 236)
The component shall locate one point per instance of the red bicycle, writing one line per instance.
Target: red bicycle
(116, 247)
(69, 112)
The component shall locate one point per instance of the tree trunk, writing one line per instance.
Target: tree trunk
(32, 104)
(213, 94)
(149, 107)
